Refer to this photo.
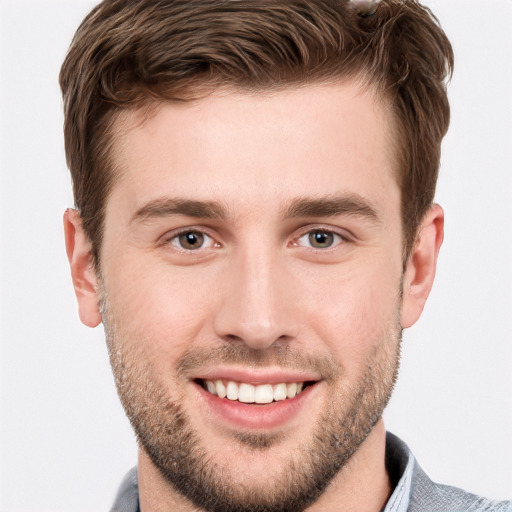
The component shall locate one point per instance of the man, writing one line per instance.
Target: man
(255, 226)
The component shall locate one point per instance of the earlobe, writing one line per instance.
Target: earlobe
(421, 266)
(78, 248)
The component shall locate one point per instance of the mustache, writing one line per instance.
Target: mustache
(241, 355)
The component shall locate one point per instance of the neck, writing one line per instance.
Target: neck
(362, 485)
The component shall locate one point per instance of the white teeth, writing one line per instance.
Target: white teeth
(246, 393)
(291, 389)
(264, 394)
(232, 391)
(210, 386)
(220, 388)
(249, 394)
(280, 392)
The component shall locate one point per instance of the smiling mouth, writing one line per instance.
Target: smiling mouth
(250, 394)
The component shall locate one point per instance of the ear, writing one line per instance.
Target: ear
(85, 282)
(421, 266)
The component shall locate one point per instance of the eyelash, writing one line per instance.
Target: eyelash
(173, 239)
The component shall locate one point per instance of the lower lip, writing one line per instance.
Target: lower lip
(256, 416)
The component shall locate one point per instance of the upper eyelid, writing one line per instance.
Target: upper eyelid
(343, 233)
(173, 233)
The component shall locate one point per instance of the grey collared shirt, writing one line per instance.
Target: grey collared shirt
(413, 490)
(399, 464)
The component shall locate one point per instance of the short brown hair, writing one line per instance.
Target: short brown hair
(130, 53)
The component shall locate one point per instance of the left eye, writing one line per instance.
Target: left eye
(191, 241)
(320, 239)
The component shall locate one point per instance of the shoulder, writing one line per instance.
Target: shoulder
(428, 496)
(127, 499)
(415, 492)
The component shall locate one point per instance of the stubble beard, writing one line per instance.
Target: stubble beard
(165, 433)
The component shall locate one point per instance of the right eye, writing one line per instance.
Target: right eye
(191, 241)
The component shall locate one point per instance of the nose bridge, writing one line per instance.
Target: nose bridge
(254, 308)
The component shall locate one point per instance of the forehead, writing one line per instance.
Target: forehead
(255, 150)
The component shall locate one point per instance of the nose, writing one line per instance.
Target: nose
(256, 306)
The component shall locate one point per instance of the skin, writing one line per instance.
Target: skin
(258, 284)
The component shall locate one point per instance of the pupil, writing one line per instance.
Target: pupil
(191, 240)
(320, 239)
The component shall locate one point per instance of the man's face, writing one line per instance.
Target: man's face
(252, 246)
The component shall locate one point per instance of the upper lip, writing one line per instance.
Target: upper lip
(255, 376)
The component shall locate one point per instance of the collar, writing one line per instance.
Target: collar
(400, 464)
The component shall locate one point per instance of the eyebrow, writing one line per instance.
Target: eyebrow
(331, 206)
(177, 206)
(327, 206)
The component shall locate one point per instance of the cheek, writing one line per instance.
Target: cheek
(354, 311)
(164, 310)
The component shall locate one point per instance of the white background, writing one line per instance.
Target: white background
(65, 442)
